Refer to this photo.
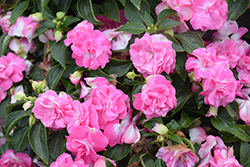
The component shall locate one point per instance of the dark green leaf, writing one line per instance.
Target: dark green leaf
(244, 150)
(182, 97)
(173, 125)
(4, 148)
(4, 42)
(38, 141)
(69, 20)
(232, 109)
(137, 89)
(118, 152)
(185, 123)
(13, 106)
(136, 3)
(13, 4)
(168, 23)
(54, 75)
(236, 8)
(111, 10)
(133, 28)
(181, 59)
(36, 72)
(100, 73)
(238, 131)
(199, 99)
(108, 163)
(176, 138)
(39, 31)
(85, 9)
(147, 161)
(123, 2)
(152, 122)
(20, 139)
(175, 44)
(148, 19)
(165, 13)
(189, 143)
(222, 120)
(48, 24)
(44, 5)
(18, 10)
(118, 67)
(63, 5)
(190, 41)
(159, 163)
(13, 118)
(58, 52)
(3, 115)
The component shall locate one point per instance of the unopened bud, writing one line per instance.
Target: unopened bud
(160, 138)
(27, 105)
(75, 77)
(42, 85)
(131, 75)
(58, 35)
(180, 134)
(160, 128)
(20, 95)
(54, 21)
(38, 16)
(212, 111)
(32, 120)
(60, 15)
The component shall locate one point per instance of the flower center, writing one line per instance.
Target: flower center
(91, 49)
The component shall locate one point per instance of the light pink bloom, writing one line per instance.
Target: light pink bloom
(111, 104)
(243, 69)
(91, 48)
(29, 65)
(183, 7)
(204, 62)
(221, 88)
(16, 160)
(25, 44)
(197, 135)
(24, 27)
(153, 54)
(47, 36)
(5, 22)
(101, 162)
(65, 160)
(11, 67)
(209, 14)
(177, 155)
(157, 97)
(244, 109)
(3, 94)
(85, 91)
(160, 7)
(55, 112)
(85, 144)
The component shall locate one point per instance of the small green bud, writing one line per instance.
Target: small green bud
(160, 128)
(58, 35)
(131, 75)
(160, 138)
(27, 105)
(20, 95)
(38, 16)
(54, 21)
(60, 15)
(42, 85)
(32, 120)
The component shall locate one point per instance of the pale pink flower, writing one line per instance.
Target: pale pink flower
(65, 160)
(183, 7)
(11, 67)
(177, 155)
(243, 69)
(5, 22)
(21, 45)
(16, 160)
(85, 144)
(75, 77)
(153, 54)
(111, 104)
(197, 135)
(29, 65)
(3, 94)
(24, 27)
(157, 97)
(209, 14)
(244, 109)
(47, 36)
(55, 112)
(160, 7)
(100, 162)
(204, 62)
(221, 88)
(91, 48)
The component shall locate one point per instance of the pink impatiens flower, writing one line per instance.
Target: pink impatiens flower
(5, 22)
(157, 97)
(244, 108)
(197, 135)
(91, 48)
(11, 67)
(177, 155)
(18, 160)
(243, 69)
(55, 112)
(65, 160)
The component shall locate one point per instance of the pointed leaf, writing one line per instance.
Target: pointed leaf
(133, 28)
(69, 20)
(54, 75)
(85, 9)
(236, 8)
(244, 149)
(222, 120)
(117, 152)
(13, 118)
(20, 139)
(118, 67)
(58, 52)
(136, 3)
(238, 131)
(163, 14)
(111, 10)
(232, 109)
(181, 59)
(18, 10)
(168, 23)
(159, 163)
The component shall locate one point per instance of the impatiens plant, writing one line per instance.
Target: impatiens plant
(126, 83)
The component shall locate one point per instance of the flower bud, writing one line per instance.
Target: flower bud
(38, 16)
(32, 120)
(180, 134)
(20, 95)
(160, 128)
(27, 105)
(160, 138)
(75, 77)
(58, 35)
(42, 85)
(60, 15)
(131, 75)
(212, 111)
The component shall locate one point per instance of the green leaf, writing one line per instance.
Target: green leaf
(176, 138)
(13, 118)
(182, 97)
(123, 2)
(4, 42)
(54, 75)
(69, 20)
(136, 3)
(48, 24)
(148, 19)
(173, 125)
(108, 163)
(244, 149)
(117, 152)
(44, 5)
(163, 14)
(199, 99)
(168, 23)
(186, 120)
(38, 141)
(133, 28)
(181, 59)
(232, 109)
(153, 121)
(222, 120)
(238, 131)
(85, 9)
(20, 139)
(147, 161)
(39, 31)
(111, 10)
(3, 104)
(175, 44)
(36, 72)
(100, 73)
(236, 8)
(189, 143)
(58, 52)
(190, 41)
(63, 5)
(118, 67)
(18, 10)
(159, 163)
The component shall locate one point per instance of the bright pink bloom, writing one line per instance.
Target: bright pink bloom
(85, 144)
(243, 69)
(157, 97)
(5, 22)
(244, 109)
(221, 88)
(91, 48)
(160, 7)
(177, 155)
(65, 160)
(55, 112)
(204, 62)
(111, 104)
(24, 27)
(183, 7)
(153, 54)
(47, 36)
(209, 14)
(11, 67)
(100, 162)
(16, 160)
(197, 135)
